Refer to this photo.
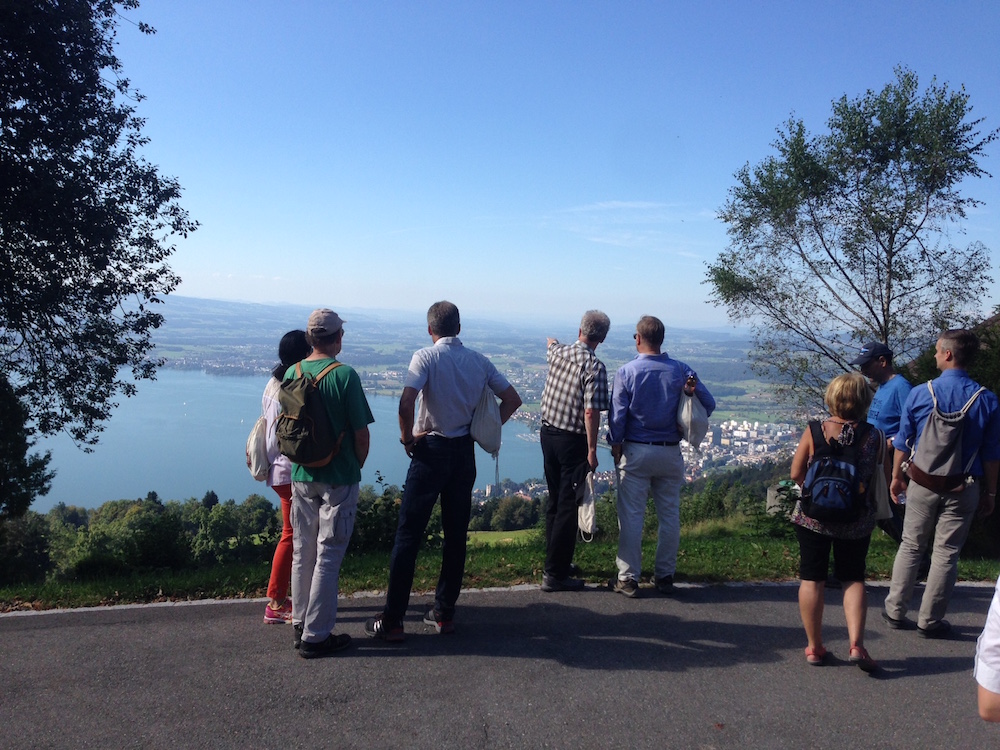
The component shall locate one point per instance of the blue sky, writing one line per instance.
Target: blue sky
(522, 159)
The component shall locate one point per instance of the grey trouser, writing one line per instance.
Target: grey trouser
(949, 518)
(322, 522)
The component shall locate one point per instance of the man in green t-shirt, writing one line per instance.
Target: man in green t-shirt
(325, 498)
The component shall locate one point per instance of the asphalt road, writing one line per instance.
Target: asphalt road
(711, 667)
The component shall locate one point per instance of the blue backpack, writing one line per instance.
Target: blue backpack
(832, 490)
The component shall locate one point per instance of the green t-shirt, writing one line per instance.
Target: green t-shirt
(348, 410)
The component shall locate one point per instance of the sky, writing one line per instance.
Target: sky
(524, 159)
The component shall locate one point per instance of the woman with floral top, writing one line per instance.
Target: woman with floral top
(847, 398)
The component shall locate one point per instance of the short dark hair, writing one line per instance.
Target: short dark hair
(323, 341)
(963, 345)
(651, 329)
(442, 319)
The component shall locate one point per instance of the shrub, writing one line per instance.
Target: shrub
(375, 523)
(24, 549)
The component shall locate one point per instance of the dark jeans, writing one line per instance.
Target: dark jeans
(444, 467)
(565, 457)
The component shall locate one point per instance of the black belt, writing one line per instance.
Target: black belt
(560, 431)
(661, 443)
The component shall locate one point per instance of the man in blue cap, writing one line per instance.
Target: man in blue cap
(875, 363)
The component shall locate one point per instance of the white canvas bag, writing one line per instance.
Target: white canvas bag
(692, 420)
(486, 428)
(586, 514)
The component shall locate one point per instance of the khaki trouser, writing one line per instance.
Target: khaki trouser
(949, 518)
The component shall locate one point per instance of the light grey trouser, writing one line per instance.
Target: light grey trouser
(949, 518)
(322, 522)
(645, 470)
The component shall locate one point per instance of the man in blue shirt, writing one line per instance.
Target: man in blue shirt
(645, 443)
(875, 363)
(948, 515)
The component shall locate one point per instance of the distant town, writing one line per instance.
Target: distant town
(239, 339)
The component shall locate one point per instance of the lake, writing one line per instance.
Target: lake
(185, 434)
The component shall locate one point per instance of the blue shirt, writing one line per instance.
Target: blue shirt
(887, 404)
(645, 397)
(953, 389)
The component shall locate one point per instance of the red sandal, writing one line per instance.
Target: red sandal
(859, 655)
(816, 656)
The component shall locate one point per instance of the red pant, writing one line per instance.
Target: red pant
(281, 565)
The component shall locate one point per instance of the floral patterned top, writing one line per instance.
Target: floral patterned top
(859, 529)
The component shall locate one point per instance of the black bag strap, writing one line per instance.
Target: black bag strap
(823, 447)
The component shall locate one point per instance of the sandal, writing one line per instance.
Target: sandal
(816, 656)
(859, 655)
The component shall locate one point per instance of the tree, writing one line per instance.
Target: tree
(847, 237)
(23, 477)
(85, 222)
(24, 549)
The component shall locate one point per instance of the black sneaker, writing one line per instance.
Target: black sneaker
(574, 570)
(900, 623)
(665, 585)
(628, 587)
(297, 629)
(550, 583)
(940, 629)
(382, 627)
(443, 624)
(331, 645)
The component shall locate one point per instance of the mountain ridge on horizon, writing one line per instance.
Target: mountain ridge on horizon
(179, 305)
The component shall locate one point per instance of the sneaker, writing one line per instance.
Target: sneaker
(278, 615)
(331, 645)
(940, 629)
(900, 623)
(384, 628)
(443, 625)
(628, 587)
(665, 585)
(297, 630)
(551, 583)
(574, 570)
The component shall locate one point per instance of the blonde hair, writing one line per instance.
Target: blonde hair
(848, 396)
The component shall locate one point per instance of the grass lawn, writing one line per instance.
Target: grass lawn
(709, 552)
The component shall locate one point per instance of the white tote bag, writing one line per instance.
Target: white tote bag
(486, 428)
(692, 420)
(257, 450)
(586, 514)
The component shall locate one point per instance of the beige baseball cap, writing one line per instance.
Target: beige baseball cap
(323, 323)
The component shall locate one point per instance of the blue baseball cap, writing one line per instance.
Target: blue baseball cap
(871, 351)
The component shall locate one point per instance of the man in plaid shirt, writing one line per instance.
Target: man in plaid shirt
(576, 392)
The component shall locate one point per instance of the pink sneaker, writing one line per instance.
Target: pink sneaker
(278, 615)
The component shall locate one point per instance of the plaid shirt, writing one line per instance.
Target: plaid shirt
(577, 380)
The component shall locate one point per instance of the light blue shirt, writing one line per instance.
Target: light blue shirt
(887, 404)
(450, 380)
(645, 397)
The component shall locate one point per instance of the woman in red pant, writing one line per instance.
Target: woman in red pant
(291, 349)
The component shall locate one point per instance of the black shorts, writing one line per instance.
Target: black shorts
(849, 556)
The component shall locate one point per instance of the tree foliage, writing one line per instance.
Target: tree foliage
(86, 222)
(23, 476)
(848, 236)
